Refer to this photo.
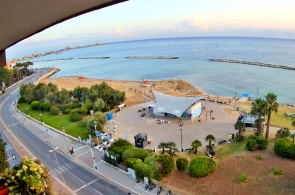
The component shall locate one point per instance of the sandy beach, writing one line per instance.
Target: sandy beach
(134, 90)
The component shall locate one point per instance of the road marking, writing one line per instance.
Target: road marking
(80, 188)
(97, 191)
(86, 185)
(77, 177)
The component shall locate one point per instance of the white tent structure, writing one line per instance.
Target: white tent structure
(187, 107)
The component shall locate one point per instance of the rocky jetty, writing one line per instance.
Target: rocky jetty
(152, 57)
(252, 63)
(90, 58)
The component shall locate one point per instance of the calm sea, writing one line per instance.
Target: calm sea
(193, 64)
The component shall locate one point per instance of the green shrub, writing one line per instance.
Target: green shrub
(35, 105)
(157, 175)
(202, 166)
(143, 170)
(66, 108)
(115, 155)
(84, 123)
(135, 153)
(46, 106)
(262, 142)
(239, 138)
(243, 177)
(277, 171)
(119, 147)
(22, 100)
(254, 137)
(284, 132)
(130, 162)
(166, 162)
(54, 110)
(281, 146)
(181, 163)
(251, 144)
(75, 117)
(75, 105)
(76, 110)
(83, 110)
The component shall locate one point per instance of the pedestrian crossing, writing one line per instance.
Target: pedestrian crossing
(63, 168)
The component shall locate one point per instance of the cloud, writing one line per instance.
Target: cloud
(119, 31)
(196, 23)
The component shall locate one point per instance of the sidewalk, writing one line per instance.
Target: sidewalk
(83, 155)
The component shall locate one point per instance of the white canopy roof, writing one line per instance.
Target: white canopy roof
(173, 105)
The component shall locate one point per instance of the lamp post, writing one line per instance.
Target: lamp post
(63, 129)
(95, 131)
(59, 168)
(180, 139)
(41, 118)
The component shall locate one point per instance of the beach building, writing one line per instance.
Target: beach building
(248, 120)
(185, 107)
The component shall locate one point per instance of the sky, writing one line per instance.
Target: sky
(149, 19)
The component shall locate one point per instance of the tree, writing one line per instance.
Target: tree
(162, 146)
(272, 105)
(293, 136)
(166, 162)
(293, 122)
(120, 146)
(28, 177)
(259, 109)
(99, 104)
(172, 147)
(3, 156)
(196, 144)
(240, 126)
(210, 138)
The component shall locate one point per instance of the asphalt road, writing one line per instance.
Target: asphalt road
(78, 178)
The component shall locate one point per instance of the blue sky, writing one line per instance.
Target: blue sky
(147, 19)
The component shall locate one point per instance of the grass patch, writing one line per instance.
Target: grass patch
(230, 149)
(72, 128)
(277, 119)
(259, 157)
(277, 171)
(243, 177)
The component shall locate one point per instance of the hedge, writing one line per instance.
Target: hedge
(75, 117)
(202, 166)
(131, 162)
(181, 163)
(285, 148)
(143, 170)
(135, 153)
(167, 162)
(54, 110)
(35, 105)
(251, 144)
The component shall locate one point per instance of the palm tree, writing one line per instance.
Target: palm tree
(272, 105)
(162, 146)
(240, 126)
(293, 122)
(259, 109)
(210, 138)
(172, 147)
(195, 145)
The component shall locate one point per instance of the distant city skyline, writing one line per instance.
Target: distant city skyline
(150, 19)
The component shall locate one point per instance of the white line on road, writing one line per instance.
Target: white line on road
(77, 177)
(86, 185)
(97, 191)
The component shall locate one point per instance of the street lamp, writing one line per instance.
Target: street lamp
(181, 139)
(59, 168)
(96, 133)
(63, 129)
(41, 118)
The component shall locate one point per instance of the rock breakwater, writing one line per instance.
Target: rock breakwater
(152, 57)
(252, 63)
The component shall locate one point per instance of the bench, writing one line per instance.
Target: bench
(207, 153)
(187, 149)
(222, 142)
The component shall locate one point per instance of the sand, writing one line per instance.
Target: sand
(134, 90)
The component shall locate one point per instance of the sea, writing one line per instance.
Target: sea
(193, 64)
